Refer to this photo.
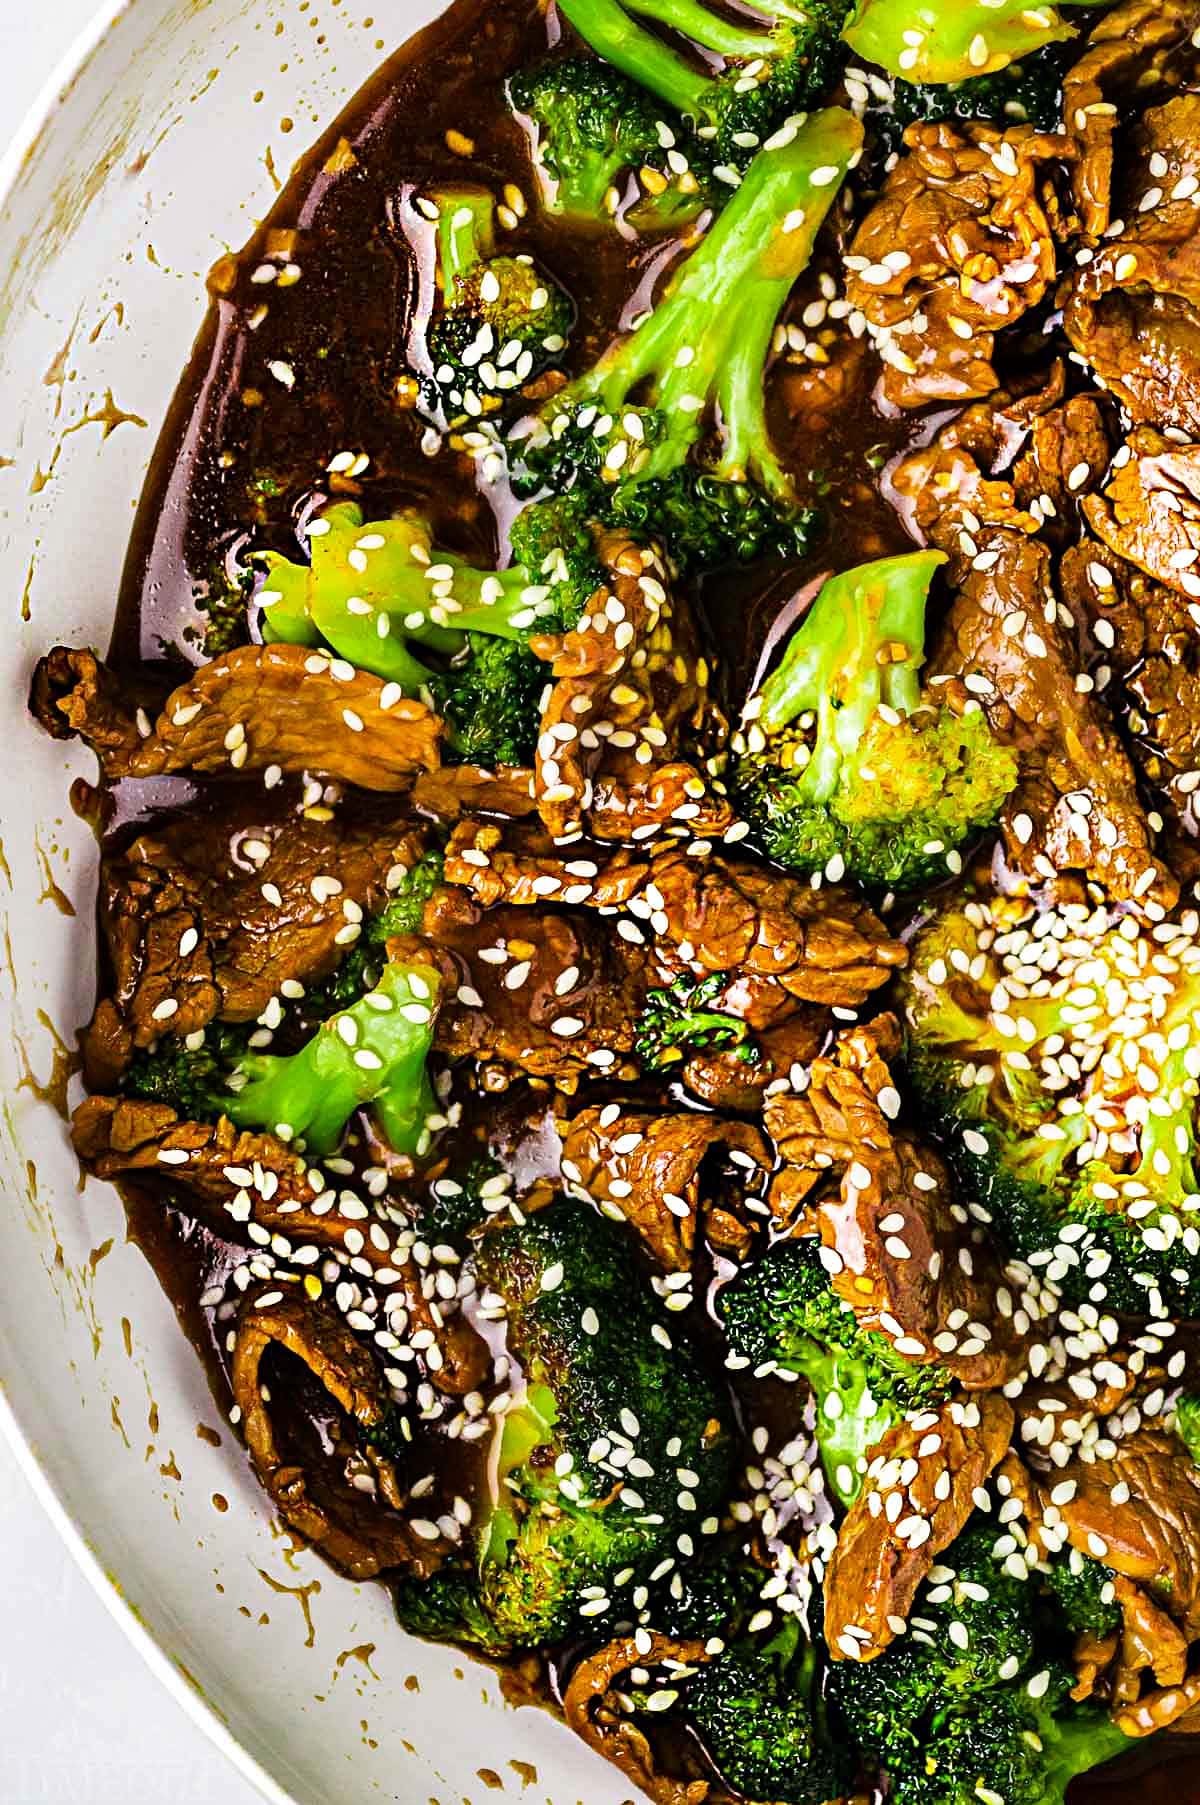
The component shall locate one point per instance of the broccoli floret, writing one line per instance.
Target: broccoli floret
(1187, 1424)
(772, 66)
(498, 321)
(970, 1705)
(607, 1409)
(781, 1314)
(759, 1711)
(359, 969)
(374, 1052)
(691, 376)
(1008, 1748)
(1083, 1590)
(707, 521)
(886, 1703)
(192, 1080)
(844, 758)
(941, 41)
(380, 593)
(1028, 92)
(1066, 1103)
(677, 1021)
(594, 130)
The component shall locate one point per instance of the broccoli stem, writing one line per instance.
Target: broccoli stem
(861, 644)
(1076, 1747)
(373, 1053)
(941, 41)
(706, 28)
(371, 591)
(709, 338)
(466, 233)
(616, 37)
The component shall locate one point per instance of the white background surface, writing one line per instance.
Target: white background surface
(82, 1721)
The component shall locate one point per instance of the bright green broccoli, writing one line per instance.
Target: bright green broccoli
(597, 133)
(360, 969)
(970, 1706)
(498, 320)
(773, 65)
(759, 1710)
(677, 1021)
(937, 41)
(1187, 1424)
(1053, 1050)
(381, 596)
(781, 1315)
(844, 763)
(630, 432)
(374, 1052)
(615, 1441)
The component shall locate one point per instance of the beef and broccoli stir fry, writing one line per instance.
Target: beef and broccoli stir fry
(650, 892)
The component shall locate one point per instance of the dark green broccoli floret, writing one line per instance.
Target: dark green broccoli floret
(886, 1703)
(781, 1314)
(456, 1202)
(759, 1711)
(630, 432)
(603, 1419)
(374, 1052)
(970, 1705)
(1083, 1592)
(383, 598)
(676, 1021)
(498, 320)
(1007, 1748)
(595, 130)
(1187, 1424)
(942, 41)
(490, 702)
(192, 1080)
(707, 521)
(773, 65)
(360, 968)
(1068, 1111)
(1028, 92)
(846, 760)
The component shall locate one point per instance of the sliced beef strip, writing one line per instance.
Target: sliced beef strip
(1008, 645)
(629, 714)
(554, 996)
(782, 942)
(452, 791)
(355, 1532)
(235, 1181)
(903, 1253)
(648, 1170)
(1147, 636)
(250, 709)
(1153, 1537)
(1149, 512)
(1132, 311)
(1137, 1510)
(1138, 53)
(960, 244)
(206, 916)
(725, 1081)
(594, 1711)
(884, 1551)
